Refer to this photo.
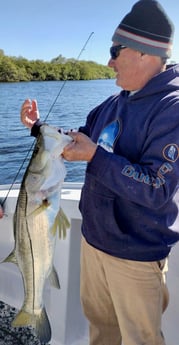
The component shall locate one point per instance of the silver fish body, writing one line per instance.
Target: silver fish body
(35, 220)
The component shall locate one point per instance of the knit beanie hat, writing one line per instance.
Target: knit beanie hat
(146, 28)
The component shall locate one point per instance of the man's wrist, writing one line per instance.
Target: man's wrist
(36, 128)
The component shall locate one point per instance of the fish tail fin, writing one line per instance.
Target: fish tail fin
(39, 322)
(23, 318)
(43, 328)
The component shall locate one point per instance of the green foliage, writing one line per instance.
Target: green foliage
(13, 69)
(1, 52)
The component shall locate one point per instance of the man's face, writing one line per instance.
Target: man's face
(133, 68)
(127, 66)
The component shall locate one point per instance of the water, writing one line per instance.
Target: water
(76, 99)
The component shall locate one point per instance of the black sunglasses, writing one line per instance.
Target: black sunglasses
(115, 51)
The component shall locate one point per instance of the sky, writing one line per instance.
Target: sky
(45, 29)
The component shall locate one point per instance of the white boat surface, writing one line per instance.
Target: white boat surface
(69, 326)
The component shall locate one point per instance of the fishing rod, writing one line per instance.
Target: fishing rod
(50, 109)
(63, 84)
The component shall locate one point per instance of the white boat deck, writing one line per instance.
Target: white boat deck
(69, 326)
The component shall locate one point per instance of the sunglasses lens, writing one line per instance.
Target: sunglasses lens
(115, 51)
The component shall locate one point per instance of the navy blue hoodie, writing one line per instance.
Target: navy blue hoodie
(128, 201)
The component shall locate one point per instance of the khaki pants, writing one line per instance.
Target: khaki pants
(122, 299)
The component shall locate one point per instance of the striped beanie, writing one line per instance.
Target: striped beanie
(146, 28)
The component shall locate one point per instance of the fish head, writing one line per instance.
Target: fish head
(46, 170)
(54, 140)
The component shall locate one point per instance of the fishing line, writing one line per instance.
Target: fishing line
(63, 84)
(55, 100)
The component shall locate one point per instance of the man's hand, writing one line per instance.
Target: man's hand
(1, 212)
(82, 148)
(29, 113)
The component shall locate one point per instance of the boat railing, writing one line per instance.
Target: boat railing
(69, 326)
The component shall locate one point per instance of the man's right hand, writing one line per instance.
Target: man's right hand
(29, 113)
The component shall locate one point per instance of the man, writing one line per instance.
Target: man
(128, 205)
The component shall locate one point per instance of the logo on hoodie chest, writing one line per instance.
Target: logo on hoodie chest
(109, 136)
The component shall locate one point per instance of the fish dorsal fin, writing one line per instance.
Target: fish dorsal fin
(61, 223)
(53, 278)
(11, 258)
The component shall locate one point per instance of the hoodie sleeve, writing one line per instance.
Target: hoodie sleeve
(154, 179)
(36, 128)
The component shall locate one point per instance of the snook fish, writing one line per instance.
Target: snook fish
(36, 220)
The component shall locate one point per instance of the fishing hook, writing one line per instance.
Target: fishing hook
(50, 109)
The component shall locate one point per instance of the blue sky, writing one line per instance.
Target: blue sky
(44, 29)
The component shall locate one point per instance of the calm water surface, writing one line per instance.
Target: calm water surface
(76, 99)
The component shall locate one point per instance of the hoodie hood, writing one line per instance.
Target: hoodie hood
(166, 81)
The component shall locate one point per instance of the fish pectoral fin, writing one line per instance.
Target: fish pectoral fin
(61, 223)
(11, 258)
(39, 209)
(53, 278)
